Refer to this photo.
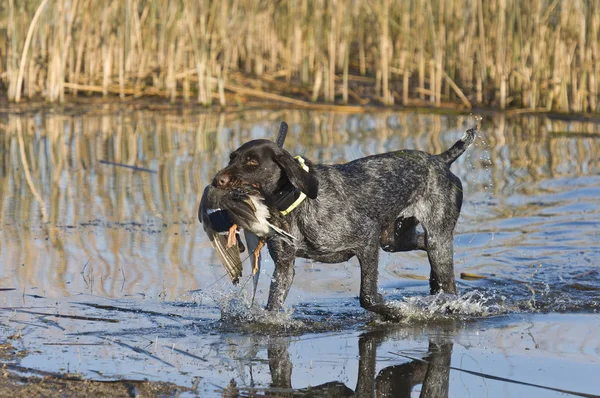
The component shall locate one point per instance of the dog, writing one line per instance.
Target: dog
(336, 212)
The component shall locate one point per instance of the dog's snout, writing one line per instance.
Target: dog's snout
(221, 180)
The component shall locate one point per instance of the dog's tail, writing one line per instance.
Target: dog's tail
(459, 147)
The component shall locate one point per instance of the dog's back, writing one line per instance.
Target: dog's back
(389, 185)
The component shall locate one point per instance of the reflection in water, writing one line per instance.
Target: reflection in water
(71, 224)
(431, 373)
(324, 355)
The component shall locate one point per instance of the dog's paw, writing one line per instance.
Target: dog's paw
(389, 313)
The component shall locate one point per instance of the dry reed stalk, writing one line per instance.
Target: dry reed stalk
(17, 88)
(543, 53)
(439, 45)
(70, 16)
(384, 50)
(482, 53)
(331, 52)
(11, 64)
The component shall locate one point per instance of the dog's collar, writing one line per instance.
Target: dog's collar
(289, 197)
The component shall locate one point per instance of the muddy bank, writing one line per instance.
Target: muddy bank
(16, 380)
(96, 105)
(12, 384)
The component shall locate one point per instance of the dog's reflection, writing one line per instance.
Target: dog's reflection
(431, 372)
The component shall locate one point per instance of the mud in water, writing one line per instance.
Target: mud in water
(109, 285)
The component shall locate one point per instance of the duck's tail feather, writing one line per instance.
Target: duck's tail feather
(285, 235)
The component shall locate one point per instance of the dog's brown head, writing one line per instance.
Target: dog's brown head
(263, 165)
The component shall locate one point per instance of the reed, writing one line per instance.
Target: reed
(539, 54)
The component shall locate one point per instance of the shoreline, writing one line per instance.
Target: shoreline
(76, 105)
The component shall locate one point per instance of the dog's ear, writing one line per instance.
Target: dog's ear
(299, 177)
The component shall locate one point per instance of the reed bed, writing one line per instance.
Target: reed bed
(539, 54)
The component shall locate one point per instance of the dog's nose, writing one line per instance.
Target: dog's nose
(221, 180)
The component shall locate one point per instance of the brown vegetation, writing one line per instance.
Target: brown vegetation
(502, 53)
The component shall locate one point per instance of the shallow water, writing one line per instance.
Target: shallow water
(79, 236)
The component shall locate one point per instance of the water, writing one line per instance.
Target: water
(82, 237)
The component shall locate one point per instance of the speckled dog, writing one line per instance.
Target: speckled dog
(336, 212)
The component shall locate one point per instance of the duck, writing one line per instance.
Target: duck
(223, 213)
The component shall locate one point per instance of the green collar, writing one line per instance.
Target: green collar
(302, 196)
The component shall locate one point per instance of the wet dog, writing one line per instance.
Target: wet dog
(336, 212)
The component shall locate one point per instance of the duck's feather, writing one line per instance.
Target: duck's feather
(229, 256)
(289, 238)
(220, 209)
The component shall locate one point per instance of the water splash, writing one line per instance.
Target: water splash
(449, 307)
(238, 313)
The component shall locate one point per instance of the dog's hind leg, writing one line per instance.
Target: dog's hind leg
(283, 256)
(440, 250)
(439, 222)
(402, 236)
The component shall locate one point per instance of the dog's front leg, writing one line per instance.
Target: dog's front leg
(283, 255)
(370, 299)
(368, 258)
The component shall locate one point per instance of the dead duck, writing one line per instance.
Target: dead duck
(223, 213)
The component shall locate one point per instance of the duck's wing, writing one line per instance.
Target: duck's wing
(229, 256)
(240, 208)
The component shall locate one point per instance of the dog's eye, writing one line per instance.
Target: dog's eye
(251, 162)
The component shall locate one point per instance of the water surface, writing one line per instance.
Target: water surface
(80, 236)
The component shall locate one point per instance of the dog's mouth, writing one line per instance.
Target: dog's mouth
(236, 184)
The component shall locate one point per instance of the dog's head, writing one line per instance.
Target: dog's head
(263, 165)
